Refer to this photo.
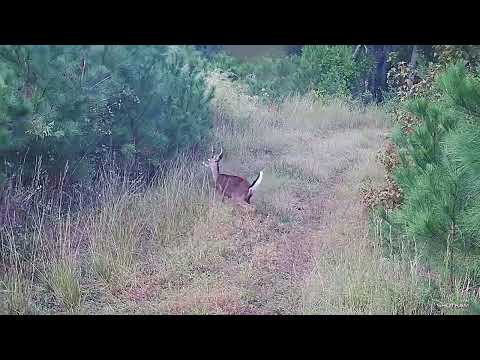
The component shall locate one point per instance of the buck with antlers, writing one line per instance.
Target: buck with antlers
(233, 187)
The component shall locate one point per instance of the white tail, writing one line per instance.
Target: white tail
(256, 183)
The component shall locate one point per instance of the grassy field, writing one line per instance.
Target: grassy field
(172, 248)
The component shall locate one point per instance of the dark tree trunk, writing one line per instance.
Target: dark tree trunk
(413, 58)
(378, 78)
(413, 61)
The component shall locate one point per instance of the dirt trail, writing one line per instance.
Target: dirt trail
(278, 264)
(237, 262)
(257, 263)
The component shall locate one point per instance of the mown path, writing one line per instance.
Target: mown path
(294, 252)
(240, 262)
(265, 274)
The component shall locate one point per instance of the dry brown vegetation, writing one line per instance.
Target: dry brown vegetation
(174, 249)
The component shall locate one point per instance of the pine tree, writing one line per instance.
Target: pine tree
(439, 172)
(78, 104)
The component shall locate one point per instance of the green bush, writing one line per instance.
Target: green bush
(80, 104)
(439, 174)
(330, 70)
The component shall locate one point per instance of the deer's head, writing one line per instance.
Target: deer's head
(213, 161)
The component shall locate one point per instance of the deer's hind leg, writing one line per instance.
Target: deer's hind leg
(249, 208)
(243, 204)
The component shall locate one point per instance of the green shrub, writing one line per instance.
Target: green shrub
(330, 70)
(80, 104)
(439, 174)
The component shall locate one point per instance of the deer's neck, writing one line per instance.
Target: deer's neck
(215, 171)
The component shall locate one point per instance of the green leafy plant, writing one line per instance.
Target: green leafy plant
(327, 70)
(80, 104)
(439, 174)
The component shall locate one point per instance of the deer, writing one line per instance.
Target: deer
(234, 187)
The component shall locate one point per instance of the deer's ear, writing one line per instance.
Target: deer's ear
(205, 164)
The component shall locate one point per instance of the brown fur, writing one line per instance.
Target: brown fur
(233, 187)
(230, 186)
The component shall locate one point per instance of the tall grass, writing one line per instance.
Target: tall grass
(170, 247)
(305, 144)
(64, 252)
(15, 285)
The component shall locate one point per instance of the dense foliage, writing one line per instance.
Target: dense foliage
(327, 70)
(79, 107)
(439, 174)
(80, 104)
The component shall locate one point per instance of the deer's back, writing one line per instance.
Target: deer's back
(233, 186)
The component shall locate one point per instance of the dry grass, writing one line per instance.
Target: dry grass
(63, 279)
(351, 275)
(16, 288)
(173, 248)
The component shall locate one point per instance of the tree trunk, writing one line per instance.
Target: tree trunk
(413, 62)
(413, 58)
(378, 78)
